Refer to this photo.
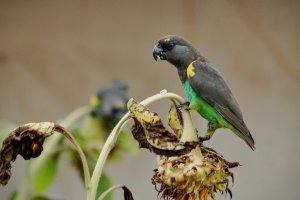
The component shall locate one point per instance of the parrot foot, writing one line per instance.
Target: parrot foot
(212, 127)
(184, 105)
(205, 138)
(201, 145)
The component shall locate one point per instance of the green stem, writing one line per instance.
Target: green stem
(188, 134)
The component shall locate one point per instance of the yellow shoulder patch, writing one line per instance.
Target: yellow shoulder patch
(190, 72)
(94, 101)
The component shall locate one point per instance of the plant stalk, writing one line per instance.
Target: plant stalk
(86, 171)
(49, 149)
(104, 194)
(188, 135)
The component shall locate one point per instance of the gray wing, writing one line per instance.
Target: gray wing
(210, 85)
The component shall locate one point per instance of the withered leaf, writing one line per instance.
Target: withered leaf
(127, 193)
(215, 157)
(175, 119)
(26, 140)
(150, 132)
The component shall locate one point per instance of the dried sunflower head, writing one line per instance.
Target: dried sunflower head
(189, 174)
(192, 176)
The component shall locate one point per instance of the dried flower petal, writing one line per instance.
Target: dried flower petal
(150, 132)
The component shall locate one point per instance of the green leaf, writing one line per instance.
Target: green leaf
(127, 143)
(13, 196)
(39, 198)
(93, 129)
(104, 184)
(115, 155)
(45, 173)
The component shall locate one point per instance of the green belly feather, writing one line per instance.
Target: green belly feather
(204, 109)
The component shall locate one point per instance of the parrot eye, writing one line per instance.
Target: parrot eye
(169, 46)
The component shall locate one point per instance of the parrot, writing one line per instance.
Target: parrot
(110, 103)
(205, 88)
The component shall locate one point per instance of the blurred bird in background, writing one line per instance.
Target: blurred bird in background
(110, 102)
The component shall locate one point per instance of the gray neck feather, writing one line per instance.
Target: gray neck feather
(182, 74)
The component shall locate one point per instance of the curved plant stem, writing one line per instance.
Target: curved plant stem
(74, 116)
(23, 191)
(104, 194)
(188, 135)
(86, 171)
(109, 144)
(49, 149)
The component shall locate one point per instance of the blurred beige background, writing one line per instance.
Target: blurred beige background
(55, 54)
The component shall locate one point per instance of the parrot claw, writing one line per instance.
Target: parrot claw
(201, 145)
(184, 105)
(202, 139)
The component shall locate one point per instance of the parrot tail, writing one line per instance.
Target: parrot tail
(246, 136)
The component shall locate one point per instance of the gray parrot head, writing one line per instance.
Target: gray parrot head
(175, 50)
(112, 102)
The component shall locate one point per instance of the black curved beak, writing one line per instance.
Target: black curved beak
(158, 52)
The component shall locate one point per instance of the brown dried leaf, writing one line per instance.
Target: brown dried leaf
(26, 140)
(150, 132)
(127, 193)
(214, 157)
